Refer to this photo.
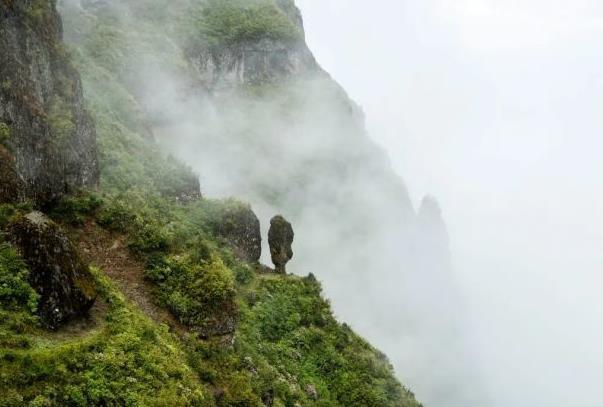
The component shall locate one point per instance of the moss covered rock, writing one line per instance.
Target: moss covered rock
(280, 238)
(57, 272)
(240, 227)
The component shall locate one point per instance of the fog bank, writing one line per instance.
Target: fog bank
(493, 108)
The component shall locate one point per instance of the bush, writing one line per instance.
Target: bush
(15, 292)
(117, 215)
(195, 293)
(75, 209)
(148, 235)
(134, 214)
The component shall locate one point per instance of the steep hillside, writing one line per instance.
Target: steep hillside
(181, 311)
(231, 88)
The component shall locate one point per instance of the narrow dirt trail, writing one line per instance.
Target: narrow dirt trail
(109, 252)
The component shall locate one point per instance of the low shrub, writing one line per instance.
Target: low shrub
(15, 292)
(74, 210)
(195, 293)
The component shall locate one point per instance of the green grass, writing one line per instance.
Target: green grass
(128, 360)
(308, 347)
(287, 340)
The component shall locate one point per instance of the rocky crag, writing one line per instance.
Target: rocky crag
(48, 140)
(280, 239)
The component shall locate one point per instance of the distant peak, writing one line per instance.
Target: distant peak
(430, 208)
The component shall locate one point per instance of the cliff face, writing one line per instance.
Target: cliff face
(251, 63)
(48, 137)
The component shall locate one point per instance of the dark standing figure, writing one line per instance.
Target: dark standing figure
(280, 238)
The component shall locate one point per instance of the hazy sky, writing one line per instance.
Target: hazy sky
(494, 107)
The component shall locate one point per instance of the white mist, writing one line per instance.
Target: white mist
(494, 107)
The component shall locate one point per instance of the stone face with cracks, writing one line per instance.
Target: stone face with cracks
(56, 271)
(49, 136)
(280, 239)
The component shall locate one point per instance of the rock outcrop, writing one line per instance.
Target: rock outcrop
(280, 239)
(179, 183)
(48, 132)
(222, 324)
(252, 61)
(240, 227)
(57, 273)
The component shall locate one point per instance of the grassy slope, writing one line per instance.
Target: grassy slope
(287, 346)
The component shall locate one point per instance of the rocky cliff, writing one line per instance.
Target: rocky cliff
(269, 45)
(48, 139)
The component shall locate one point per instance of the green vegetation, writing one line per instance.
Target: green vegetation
(37, 12)
(197, 293)
(124, 359)
(234, 21)
(121, 359)
(5, 132)
(308, 348)
(288, 347)
(16, 294)
(60, 119)
(73, 210)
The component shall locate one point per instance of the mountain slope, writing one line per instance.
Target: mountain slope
(231, 88)
(240, 334)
